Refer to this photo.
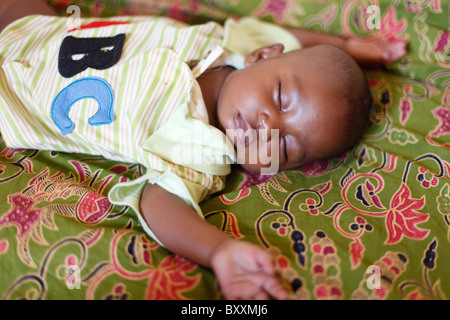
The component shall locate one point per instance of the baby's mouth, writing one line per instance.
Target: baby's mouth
(240, 123)
(244, 130)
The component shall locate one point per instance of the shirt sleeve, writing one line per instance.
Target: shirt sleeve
(129, 193)
(181, 134)
(248, 34)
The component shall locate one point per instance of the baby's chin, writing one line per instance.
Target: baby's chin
(260, 169)
(256, 162)
(252, 168)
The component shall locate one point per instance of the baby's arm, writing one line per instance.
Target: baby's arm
(243, 270)
(364, 51)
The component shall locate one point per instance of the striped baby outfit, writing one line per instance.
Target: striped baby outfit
(124, 88)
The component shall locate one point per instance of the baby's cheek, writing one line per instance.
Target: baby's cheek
(269, 156)
(260, 158)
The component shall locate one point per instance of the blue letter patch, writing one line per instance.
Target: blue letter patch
(90, 87)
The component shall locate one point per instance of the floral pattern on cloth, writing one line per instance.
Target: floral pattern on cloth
(371, 223)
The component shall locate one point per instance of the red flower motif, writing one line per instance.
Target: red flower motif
(356, 252)
(402, 218)
(23, 215)
(170, 279)
(93, 208)
(391, 28)
(427, 178)
(310, 206)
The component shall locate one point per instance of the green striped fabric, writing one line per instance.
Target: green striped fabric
(149, 82)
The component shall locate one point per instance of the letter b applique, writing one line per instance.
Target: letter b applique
(78, 54)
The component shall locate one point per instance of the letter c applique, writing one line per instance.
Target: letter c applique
(90, 87)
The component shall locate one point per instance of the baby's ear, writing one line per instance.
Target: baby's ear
(263, 53)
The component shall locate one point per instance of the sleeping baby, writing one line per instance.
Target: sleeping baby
(185, 102)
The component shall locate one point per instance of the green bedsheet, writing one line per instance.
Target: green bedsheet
(372, 223)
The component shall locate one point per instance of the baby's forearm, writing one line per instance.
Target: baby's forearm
(179, 227)
(368, 51)
(243, 270)
(311, 38)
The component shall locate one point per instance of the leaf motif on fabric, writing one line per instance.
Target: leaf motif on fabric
(231, 226)
(405, 107)
(322, 188)
(229, 223)
(90, 237)
(241, 194)
(264, 188)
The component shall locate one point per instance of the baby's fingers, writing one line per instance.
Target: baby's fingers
(262, 295)
(394, 51)
(274, 289)
(266, 262)
(257, 287)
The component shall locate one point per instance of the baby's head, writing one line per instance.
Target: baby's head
(314, 104)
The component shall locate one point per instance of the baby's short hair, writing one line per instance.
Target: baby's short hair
(359, 101)
(356, 92)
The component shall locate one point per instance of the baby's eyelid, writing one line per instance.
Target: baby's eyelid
(280, 104)
(285, 148)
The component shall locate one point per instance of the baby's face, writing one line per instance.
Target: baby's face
(292, 99)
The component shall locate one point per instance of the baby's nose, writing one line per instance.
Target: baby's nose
(266, 121)
(269, 123)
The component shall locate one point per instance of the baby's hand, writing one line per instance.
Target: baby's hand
(245, 271)
(376, 50)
